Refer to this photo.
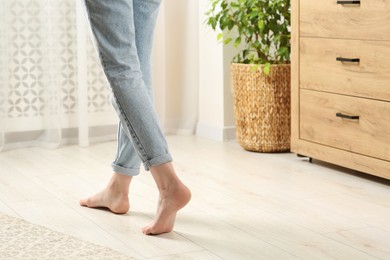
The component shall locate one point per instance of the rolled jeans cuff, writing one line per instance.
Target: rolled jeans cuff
(162, 159)
(125, 171)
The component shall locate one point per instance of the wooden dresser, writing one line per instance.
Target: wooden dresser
(341, 83)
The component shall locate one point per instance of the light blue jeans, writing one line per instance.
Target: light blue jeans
(123, 32)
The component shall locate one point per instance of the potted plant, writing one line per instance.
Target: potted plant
(260, 30)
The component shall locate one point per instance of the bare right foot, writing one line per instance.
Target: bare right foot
(114, 197)
(169, 204)
(174, 195)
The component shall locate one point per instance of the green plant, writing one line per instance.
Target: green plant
(260, 28)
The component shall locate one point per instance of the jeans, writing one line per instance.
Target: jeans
(123, 34)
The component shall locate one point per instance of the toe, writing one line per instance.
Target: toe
(83, 202)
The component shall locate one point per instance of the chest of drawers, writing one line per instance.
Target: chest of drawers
(341, 83)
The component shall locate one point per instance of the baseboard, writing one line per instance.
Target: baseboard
(216, 133)
(96, 134)
(172, 131)
(229, 133)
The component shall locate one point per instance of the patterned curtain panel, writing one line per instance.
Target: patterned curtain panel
(40, 66)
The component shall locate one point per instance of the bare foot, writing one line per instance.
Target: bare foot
(169, 204)
(114, 197)
(117, 203)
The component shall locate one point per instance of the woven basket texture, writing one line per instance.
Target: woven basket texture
(262, 107)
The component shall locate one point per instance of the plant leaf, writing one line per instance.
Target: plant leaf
(227, 41)
(267, 68)
(220, 37)
(237, 42)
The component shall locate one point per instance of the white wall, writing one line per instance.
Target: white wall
(216, 119)
(176, 76)
(192, 73)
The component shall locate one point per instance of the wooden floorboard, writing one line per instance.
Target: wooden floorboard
(245, 205)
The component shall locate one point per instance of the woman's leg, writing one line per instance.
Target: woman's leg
(145, 15)
(112, 23)
(113, 26)
(127, 161)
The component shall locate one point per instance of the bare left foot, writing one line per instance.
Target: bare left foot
(169, 204)
(114, 197)
(116, 202)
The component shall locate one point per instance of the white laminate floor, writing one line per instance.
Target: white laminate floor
(245, 205)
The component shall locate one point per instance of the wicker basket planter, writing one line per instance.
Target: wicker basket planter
(262, 107)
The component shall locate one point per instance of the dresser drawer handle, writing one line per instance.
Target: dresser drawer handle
(347, 59)
(347, 116)
(355, 2)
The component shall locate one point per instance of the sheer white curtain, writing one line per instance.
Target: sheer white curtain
(53, 90)
(176, 79)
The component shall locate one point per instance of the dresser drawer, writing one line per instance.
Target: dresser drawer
(325, 18)
(368, 135)
(320, 70)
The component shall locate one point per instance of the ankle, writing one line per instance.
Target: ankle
(176, 191)
(167, 190)
(119, 184)
(165, 177)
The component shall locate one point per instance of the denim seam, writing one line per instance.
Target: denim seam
(131, 129)
(93, 35)
(117, 146)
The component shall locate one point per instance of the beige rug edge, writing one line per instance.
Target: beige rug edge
(20, 239)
